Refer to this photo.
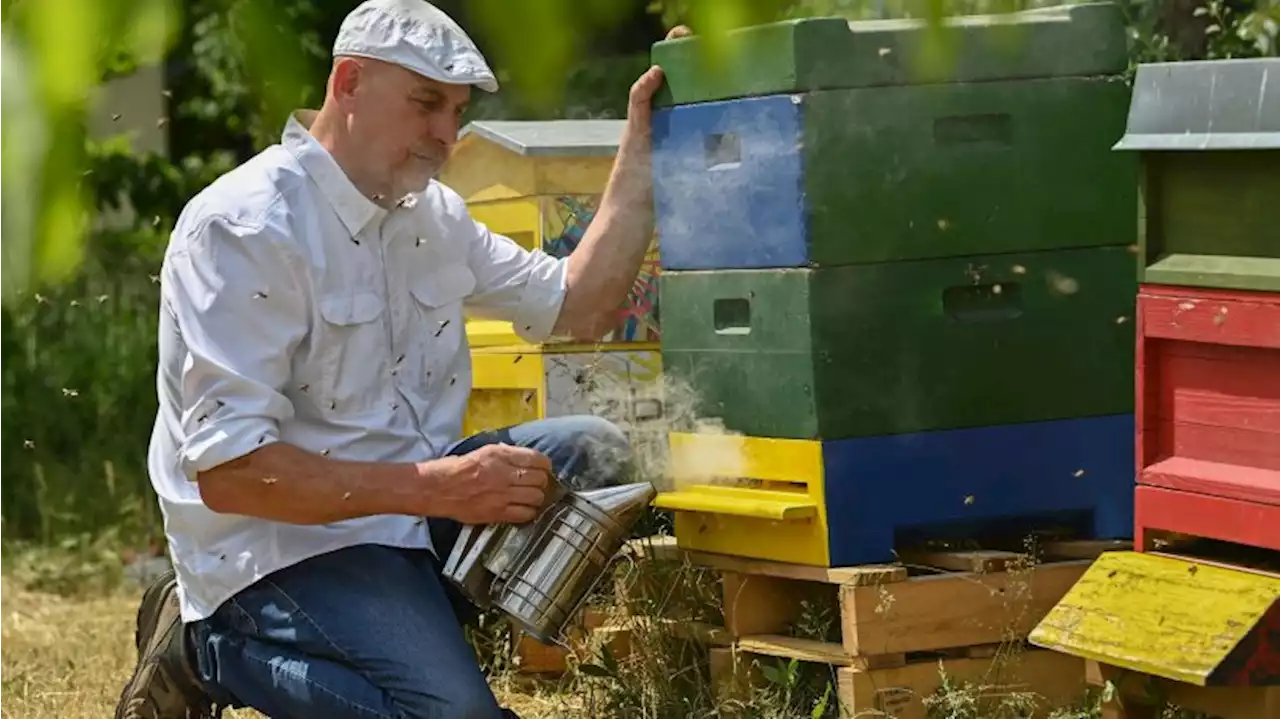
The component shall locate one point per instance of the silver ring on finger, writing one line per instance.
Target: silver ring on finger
(519, 472)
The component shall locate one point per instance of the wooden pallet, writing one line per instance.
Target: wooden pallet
(971, 611)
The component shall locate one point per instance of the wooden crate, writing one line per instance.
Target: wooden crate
(967, 612)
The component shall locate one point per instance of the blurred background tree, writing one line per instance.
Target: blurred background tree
(87, 205)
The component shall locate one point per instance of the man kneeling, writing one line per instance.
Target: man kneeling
(313, 375)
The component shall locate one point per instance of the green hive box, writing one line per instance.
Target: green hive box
(831, 152)
(1208, 135)
(831, 53)
(899, 347)
(897, 173)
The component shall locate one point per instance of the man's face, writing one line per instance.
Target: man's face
(404, 123)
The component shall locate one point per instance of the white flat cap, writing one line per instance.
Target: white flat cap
(417, 36)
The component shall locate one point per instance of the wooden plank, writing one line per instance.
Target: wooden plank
(1054, 679)
(1220, 386)
(953, 610)
(701, 632)
(1230, 445)
(866, 575)
(761, 604)
(1250, 484)
(1243, 273)
(1250, 319)
(655, 548)
(1157, 615)
(806, 650)
(1230, 520)
(1084, 548)
(980, 560)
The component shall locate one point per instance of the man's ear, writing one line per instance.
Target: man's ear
(347, 74)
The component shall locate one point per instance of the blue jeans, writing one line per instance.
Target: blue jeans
(374, 631)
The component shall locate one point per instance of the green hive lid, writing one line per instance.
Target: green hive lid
(1087, 39)
(1205, 105)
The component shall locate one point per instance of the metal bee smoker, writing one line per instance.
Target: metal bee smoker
(540, 572)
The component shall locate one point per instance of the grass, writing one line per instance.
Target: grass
(68, 619)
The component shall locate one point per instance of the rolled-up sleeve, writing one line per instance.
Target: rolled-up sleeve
(234, 294)
(524, 287)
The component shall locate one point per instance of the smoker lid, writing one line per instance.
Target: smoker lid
(1205, 105)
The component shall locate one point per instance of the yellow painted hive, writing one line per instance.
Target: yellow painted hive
(540, 183)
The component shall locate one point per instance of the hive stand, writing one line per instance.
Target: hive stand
(966, 610)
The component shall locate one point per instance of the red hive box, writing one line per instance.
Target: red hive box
(1208, 414)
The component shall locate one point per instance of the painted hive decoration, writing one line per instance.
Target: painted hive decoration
(893, 269)
(565, 219)
(517, 384)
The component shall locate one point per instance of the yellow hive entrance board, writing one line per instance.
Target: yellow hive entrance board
(734, 492)
(1168, 617)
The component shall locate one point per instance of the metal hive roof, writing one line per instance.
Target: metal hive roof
(540, 138)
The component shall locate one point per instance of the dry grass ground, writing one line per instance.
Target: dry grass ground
(66, 657)
(68, 649)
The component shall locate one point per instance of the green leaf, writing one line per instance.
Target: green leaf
(820, 708)
(25, 137)
(610, 663)
(595, 670)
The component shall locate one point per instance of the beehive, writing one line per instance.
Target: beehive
(540, 183)
(923, 284)
(1208, 365)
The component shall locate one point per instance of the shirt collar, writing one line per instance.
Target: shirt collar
(353, 208)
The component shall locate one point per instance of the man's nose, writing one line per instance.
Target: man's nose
(443, 131)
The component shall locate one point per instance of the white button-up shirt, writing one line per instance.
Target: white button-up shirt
(295, 309)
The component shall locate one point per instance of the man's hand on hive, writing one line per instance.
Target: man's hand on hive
(642, 90)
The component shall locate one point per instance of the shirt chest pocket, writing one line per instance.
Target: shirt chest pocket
(351, 351)
(440, 294)
(438, 334)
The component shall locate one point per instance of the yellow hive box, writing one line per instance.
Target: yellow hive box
(621, 382)
(539, 183)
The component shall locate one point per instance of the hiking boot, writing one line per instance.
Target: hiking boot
(164, 684)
